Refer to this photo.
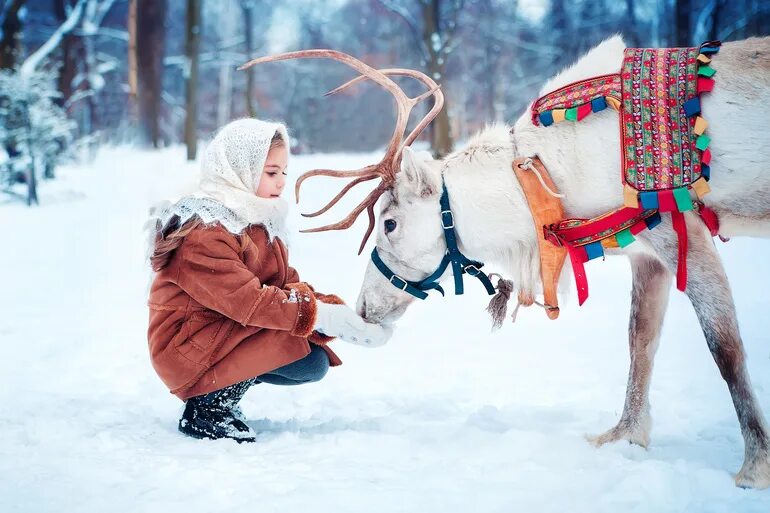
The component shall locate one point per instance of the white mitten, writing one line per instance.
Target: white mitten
(342, 322)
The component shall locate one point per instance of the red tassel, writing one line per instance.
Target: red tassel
(583, 111)
(680, 227)
(666, 202)
(710, 219)
(706, 156)
(705, 84)
(639, 227)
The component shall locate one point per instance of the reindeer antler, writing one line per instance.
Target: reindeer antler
(390, 164)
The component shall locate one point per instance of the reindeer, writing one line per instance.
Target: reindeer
(491, 220)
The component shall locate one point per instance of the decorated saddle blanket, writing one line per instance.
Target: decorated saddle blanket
(665, 148)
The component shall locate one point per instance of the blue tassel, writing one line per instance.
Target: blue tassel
(594, 250)
(709, 49)
(598, 104)
(546, 118)
(692, 107)
(649, 200)
(653, 221)
(705, 171)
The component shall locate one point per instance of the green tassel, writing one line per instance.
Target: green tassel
(706, 71)
(624, 238)
(683, 200)
(571, 114)
(703, 142)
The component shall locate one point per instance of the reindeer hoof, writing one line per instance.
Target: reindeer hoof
(622, 431)
(755, 473)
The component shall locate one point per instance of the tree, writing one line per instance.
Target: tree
(192, 51)
(434, 35)
(683, 24)
(150, 46)
(10, 28)
(247, 6)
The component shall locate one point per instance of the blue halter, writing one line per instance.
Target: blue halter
(460, 263)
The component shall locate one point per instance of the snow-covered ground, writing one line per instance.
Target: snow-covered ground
(447, 417)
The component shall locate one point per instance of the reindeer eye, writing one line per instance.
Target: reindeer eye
(390, 225)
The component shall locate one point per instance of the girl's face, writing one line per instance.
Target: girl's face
(274, 173)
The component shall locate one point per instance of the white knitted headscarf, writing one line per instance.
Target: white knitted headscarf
(230, 172)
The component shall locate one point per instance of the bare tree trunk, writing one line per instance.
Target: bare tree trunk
(248, 19)
(11, 34)
(192, 51)
(683, 12)
(133, 113)
(150, 47)
(432, 40)
(68, 68)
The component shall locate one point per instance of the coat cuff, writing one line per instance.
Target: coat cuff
(319, 338)
(306, 309)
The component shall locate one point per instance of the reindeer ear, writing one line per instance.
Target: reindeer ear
(419, 176)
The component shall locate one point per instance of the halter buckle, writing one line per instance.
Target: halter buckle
(472, 270)
(451, 219)
(403, 285)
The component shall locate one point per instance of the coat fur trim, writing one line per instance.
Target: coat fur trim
(306, 309)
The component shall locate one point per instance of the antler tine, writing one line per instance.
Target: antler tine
(348, 220)
(332, 173)
(342, 193)
(434, 90)
(402, 101)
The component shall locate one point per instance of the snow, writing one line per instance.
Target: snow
(447, 417)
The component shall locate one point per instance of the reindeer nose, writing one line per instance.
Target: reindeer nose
(362, 308)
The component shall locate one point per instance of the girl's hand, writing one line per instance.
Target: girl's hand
(342, 322)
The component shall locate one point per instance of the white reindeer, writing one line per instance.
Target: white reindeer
(493, 223)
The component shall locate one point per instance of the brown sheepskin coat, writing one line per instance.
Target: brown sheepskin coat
(229, 308)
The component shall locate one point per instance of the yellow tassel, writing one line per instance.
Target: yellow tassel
(700, 125)
(558, 115)
(613, 102)
(630, 196)
(610, 242)
(704, 59)
(701, 187)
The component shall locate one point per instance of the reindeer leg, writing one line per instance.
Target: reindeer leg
(709, 293)
(649, 298)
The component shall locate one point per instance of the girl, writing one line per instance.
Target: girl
(226, 309)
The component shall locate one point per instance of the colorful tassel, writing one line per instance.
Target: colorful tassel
(598, 104)
(683, 200)
(613, 102)
(624, 238)
(706, 71)
(692, 107)
(571, 114)
(666, 201)
(701, 187)
(706, 156)
(594, 250)
(705, 171)
(709, 49)
(610, 242)
(583, 111)
(630, 196)
(638, 228)
(649, 200)
(705, 84)
(546, 118)
(703, 58)
(700, 125)
(703, 142)
(558, 115)
(652, 221)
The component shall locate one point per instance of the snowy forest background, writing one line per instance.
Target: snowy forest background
(80, 73)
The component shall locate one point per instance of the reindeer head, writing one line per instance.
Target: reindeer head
(409, 237)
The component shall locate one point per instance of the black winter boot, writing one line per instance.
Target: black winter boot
(212, 416)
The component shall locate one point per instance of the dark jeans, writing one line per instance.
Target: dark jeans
(311, 368)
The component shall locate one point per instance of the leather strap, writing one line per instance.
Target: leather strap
(546, 210)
